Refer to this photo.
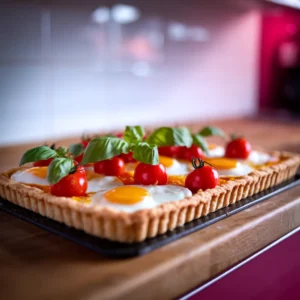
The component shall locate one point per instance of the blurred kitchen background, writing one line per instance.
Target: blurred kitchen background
(73, 66)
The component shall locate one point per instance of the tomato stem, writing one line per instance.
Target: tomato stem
(74, 169)
(200, 164)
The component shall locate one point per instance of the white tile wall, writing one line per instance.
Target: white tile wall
(66, 96)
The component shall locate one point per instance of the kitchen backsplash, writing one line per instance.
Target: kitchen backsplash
(69, 69)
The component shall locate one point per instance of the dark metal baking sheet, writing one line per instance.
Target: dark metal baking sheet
(123, 250)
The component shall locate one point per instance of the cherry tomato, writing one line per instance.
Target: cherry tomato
(170, 151)
(238, 148)
(110, 167)
(85, 143)
(119, 135)
(150, 174)
(188, 153)
(43, 163)
(74, 184)
(203, 177)
(79, 158)
(127, 157)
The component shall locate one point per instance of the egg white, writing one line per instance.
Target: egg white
(167, 193)
(241, 169)
(218, 151)
(260, 158)
(25, 176)
(99, 183)
(178, 168)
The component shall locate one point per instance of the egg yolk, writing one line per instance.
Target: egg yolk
(126, 195)
(39, 172)
(166, 161)
(222, 163)
(176, 179)
(212, 146)
(84, 200)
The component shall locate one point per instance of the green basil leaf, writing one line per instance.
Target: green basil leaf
(200, 142)
(134, 134)
(167, 136)
(37, 153)
(76, 149)
(146, 153)
(61, 151)
(104, 148)
(212, 131)
(59, 168)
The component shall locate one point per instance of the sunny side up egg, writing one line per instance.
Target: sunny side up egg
(37, 176)
(215, 151)
(130, 198)
(229, 167)
(260, 158)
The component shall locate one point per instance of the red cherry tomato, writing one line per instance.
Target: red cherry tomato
(110, 167)
(43, 163)
(119, 135)
(85, 143)
(188, 153)
(150, 174)
(170, 151)
(79, 158)
(74, 184)
(127, 157)
(238, 148)
(203, 178)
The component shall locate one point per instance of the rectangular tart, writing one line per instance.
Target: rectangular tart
(120, 226)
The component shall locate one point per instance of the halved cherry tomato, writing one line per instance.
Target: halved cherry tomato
(150, 174)
(238, 148)
(170, 151)
(127, 157)
(203, 177)
(110, 167)
(188, 153)
(74, 184)
(43, 163)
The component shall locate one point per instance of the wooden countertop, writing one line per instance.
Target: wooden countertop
(38, 265)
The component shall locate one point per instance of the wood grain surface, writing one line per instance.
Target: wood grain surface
(35, 264)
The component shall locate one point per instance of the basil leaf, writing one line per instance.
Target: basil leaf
(61, 151)
(59, 168)
(134, 134)
(146, 153)
(104, 148)
(167, 136)
(76, 149)
(200, 142)
(37, 153)
(212, 131)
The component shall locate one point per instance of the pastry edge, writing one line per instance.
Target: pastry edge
(135, 227)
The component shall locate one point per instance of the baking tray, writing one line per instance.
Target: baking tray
(123, 250)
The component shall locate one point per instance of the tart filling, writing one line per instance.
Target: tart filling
(121, 189)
